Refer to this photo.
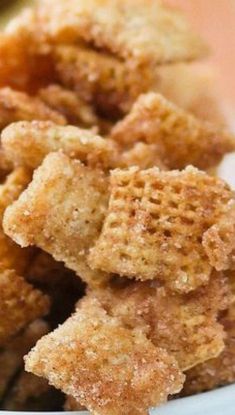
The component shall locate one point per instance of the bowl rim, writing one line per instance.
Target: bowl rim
(221, 400)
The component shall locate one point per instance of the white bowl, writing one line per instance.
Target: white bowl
(217, 402)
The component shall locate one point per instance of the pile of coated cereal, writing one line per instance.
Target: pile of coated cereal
(117, 239)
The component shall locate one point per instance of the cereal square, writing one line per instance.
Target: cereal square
(185, 325)
(61, 212)
(106, 367)
(18, 106)
(27, 144)
(215, 372)
(100, 79)
(155, 225)
(141, 31)
(180, 138)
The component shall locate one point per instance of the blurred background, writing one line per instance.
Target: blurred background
(214, 19)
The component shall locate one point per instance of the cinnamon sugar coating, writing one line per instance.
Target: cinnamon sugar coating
(108, 368)
(180, 138)
(62, 212)
(137, 31)
(155, 225)
(27, 143)
(185, 325)
(18, 106)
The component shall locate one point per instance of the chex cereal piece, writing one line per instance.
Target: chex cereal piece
(27, 143)
(106, 367)
(133, 30)
(31, 393)
(18, 106)
(25, 55)
(11, 358)
(61, 212)
(155, 224)
(101, 79)
(74, 109)
(11, 255)
(185, 325)
(20, 304)
(215, 372)
(181, 139)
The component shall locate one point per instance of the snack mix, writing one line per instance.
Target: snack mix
(117, 236)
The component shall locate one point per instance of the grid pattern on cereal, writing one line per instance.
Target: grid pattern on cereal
(155, 225)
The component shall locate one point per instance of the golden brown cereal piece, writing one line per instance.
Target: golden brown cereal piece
(11, 358)
(27, 143)
(219, 241)
(215, 372)
(101, 79)
(74, 109)
(181, 139)
(106, 367)
(138, 31)
(25, 55)
(11, 255)
(20, 304)
(62, 212)
(18, 106)
(155, 225)
(72, 405)
(31, 393)
(185, 325)
(192, 88)
(61, 284)
(142, 155)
